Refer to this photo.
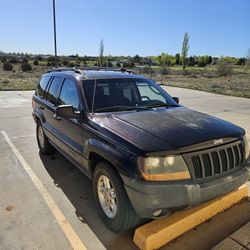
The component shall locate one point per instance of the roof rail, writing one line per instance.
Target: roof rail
(76, 70)
(109, 69)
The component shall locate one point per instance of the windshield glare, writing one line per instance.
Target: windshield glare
(125, 94)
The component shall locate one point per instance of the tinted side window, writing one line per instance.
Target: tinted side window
(42, 86)
(69, 94)
(54, 90)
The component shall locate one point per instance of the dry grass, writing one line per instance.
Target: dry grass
(236, 84)
(206, 79)
(19, 80)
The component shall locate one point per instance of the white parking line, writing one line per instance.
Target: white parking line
(69, 232)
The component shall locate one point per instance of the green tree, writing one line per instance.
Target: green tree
(165, 59)
(248, 59)
(241, 61)
(203, 61)
(185, 48)
(136, 59)
(210, 60)
(191, 61)
(101, 51)
(177, 58)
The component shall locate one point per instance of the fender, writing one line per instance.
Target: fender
(125, 162)
(39, 115)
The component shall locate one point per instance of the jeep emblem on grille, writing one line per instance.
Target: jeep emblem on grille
(219, 141)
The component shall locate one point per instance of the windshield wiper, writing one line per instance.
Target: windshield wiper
(121, 108)
(161, 105)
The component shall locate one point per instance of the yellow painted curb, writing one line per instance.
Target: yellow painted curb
(157, 233)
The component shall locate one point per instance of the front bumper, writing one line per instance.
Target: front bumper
(149, 197)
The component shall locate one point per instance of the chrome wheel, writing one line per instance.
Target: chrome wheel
(41, 136)
(107, 196)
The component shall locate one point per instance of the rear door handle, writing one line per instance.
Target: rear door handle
(56, 117)
(41, 106)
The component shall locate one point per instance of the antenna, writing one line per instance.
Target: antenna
(93, 101)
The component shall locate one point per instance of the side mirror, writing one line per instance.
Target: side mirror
(176, 99)
(66, 111)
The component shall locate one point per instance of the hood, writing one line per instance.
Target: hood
(167, 128)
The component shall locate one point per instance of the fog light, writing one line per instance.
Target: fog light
(157, 213)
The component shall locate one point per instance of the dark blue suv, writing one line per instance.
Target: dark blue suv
(146, 154)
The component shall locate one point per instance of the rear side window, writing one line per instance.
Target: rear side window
(69, 94)
(54, 90)
(42, 86)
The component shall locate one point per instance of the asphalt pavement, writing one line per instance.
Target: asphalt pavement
(46, 203)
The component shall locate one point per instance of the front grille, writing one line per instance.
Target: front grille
(216, 161)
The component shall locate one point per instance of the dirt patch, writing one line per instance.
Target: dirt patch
(9, 208)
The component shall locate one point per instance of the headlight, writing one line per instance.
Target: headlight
(167, 168)
(246, 146)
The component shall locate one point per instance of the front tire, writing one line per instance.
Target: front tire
(111, 199)
(42, 140)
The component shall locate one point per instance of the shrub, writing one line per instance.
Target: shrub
(13, 60)
(65, 63)
(53, 63)
(165, 71)
(26, 67)
(5, 81)
(148, 70)
(3, 60)
(145, 70)
(72, 64)
(7, 66)
(201, 64)
(25, 60)
(118, 65)
(36, 62)
(109, 64)
(128, 65)
(223, 69)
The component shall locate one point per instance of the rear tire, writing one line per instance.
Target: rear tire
(42, 140)
(112, 203)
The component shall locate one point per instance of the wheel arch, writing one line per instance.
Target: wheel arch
(98, 151)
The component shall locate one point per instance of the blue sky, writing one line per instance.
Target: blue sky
(215, 27)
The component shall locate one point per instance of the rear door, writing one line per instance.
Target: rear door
(50, 104)
(39, 99)
(69, 137)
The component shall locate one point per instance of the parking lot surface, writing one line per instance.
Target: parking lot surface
(46, 203)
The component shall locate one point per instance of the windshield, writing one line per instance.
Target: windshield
(125, 94)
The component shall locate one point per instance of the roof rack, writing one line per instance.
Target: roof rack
(76, 70)
(109, 69)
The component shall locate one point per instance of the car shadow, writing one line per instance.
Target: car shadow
(78, 189)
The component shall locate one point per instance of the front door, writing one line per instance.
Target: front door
(69, 137)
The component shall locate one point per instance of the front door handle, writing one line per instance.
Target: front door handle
(41, 107)
(56, 117)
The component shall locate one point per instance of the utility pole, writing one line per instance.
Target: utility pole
(54, 18)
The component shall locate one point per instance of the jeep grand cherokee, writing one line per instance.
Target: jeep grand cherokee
(146, 154)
